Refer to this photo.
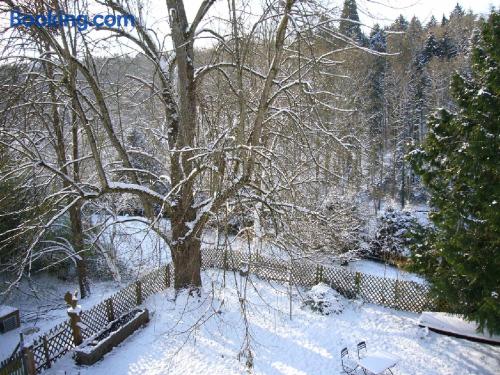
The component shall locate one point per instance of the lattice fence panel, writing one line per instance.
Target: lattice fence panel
(412, 296)
(153, 282)
(270, 269)
(53, 345)
(341, 280)
(94, 319)
(233, 260)
(376, 290)
(124, 300)
(303, 274)
(212, 258)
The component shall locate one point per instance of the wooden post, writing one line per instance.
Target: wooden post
(74, 311)
(110, 311)
(357, 282)
(29, 361)
(138, 292)
(396, 296)
(46, 350)
(167, 276)
(319, 274)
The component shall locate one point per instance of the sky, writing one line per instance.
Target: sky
(386, 11)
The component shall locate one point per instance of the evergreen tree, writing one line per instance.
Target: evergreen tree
(349, 23)
(400, 24)
(432, 23)
(431, 48)
(460, 165)
(377, 40)
(447, 47)
(457, 12)
(444, 21)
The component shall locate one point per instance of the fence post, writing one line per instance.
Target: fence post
(138, 292)
(357, 283)
(110, 311)
(29, 361)
(319, 274)
(167, 276)
(396, 294)
(46, 350)
(74, 316)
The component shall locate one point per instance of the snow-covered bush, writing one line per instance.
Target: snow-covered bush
(323, 300)
(392, 239)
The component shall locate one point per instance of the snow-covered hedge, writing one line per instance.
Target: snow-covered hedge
(323, 300)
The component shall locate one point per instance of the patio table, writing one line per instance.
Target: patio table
(377, 363)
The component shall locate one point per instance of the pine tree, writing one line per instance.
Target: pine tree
(400, 24)
(432, 23)
(457, 12)
(431, 48)
(460, 165)
(349, 23)
(444, 21)
(447, 47)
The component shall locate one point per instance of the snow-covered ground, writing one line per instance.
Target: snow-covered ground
(204, 335)
(383, 270)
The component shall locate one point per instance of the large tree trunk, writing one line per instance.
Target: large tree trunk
(187, 264)
(185, 244)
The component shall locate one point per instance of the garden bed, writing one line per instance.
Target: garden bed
(96, 346)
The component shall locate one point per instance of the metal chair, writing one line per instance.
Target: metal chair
(348, 365)
(362, 351)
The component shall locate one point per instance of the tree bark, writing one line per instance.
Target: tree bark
(186, 244)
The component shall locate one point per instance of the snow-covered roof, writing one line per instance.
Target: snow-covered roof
(6, 310)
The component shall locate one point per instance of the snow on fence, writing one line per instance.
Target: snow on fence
(46, 349)
(398, 294)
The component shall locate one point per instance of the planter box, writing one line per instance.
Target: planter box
(96, 346)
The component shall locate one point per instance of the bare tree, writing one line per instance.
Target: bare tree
(264, 153)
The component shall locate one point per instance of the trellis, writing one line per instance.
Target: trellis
(394, 293)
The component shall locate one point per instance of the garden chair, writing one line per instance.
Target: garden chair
(362, 351)
(348, 365)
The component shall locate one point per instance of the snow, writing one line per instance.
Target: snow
(324, 300)
(308, 343)
(379, 362)
(454, 324)
(385, 270)
(6, 310)
(77, 310)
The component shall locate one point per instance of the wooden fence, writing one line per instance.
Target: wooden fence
(49, 347)
(16, 364)
(394, 293)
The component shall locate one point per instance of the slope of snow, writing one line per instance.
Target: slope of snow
(204, 335)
